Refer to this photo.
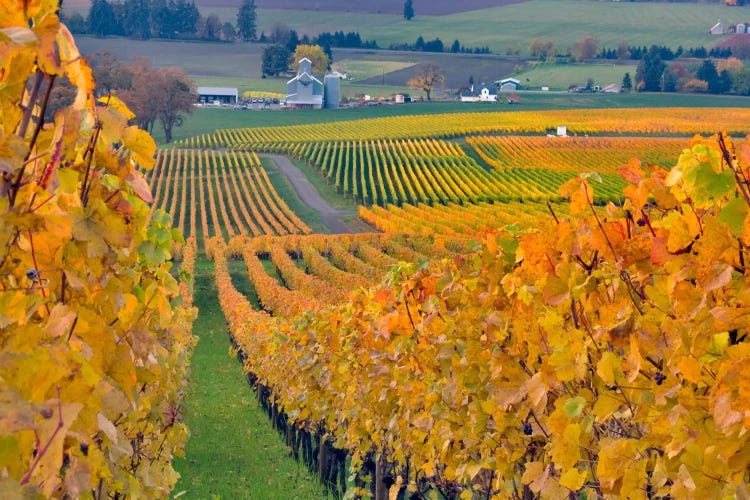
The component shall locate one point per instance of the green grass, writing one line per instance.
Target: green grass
(561, 76)
(514, 26)
(325, 188)
(362, 70)
(232, 451)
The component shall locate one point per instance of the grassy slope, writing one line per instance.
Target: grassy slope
(232, 451)
(514, 26)
(560, 76)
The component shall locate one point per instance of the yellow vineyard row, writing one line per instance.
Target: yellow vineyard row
(631, 121)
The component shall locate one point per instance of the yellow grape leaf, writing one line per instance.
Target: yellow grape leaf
(556, 291)
(18, 35)
(566, 448)
(632, 171)
(395, 488)
(115, 103)
(140, 187)
(609, 368)
(141, 146)
(536, 390)
(76, 68)
(580, 192)
(606, 404)
(10, 452)
(54, 457)
(123, 373)
(614, 456)
(573, 479)
(535, 475)
(67, 180)
(690, 368)
(61, 320)
(107, 427)
(718, 275)
(46, 31)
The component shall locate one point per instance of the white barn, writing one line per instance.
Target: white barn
(222, 95)
(508, 84)
(482, 93)
(304, 90)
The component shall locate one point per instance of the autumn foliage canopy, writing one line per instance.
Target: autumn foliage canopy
(94, 343)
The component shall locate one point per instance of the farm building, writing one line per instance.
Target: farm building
(332, 91)
(717, 29)
(508, 84)
(736, 43)
(214, 95)
(304, 90)
(612, 88)
(482, 93)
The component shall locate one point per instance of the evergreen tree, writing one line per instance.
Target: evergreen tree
(408, 10)
(707, 72)
(246, 20)
(186, 15)
(101, 20)
(136, 22)
(627, 83)
(292, 42)
(725, 79)
(650, 72)
(275, 59)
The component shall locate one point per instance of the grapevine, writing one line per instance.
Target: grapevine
(94, 348)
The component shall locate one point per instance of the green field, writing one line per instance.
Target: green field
(362, 70)
(561, 76)
(513, 27)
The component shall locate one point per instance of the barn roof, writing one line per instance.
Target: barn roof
(231, 91)
(733, 41)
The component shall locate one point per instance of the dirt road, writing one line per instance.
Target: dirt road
(331, 217)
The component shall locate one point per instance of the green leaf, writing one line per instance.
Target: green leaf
(704, 184)
(574, 406)
(733, 215)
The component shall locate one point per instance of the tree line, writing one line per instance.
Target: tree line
(722, 76)
(144, 19)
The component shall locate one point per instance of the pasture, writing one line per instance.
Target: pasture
(561, 76)
(512, 27)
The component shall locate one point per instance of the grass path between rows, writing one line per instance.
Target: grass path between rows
(232, 451)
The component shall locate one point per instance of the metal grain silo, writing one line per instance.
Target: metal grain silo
(332, 92)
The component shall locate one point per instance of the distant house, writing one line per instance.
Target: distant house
(304, 90)
(217, 95)
(481, 93)
(508, 84)
(717, 29)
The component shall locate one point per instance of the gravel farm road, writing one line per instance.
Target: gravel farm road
(331, 217)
